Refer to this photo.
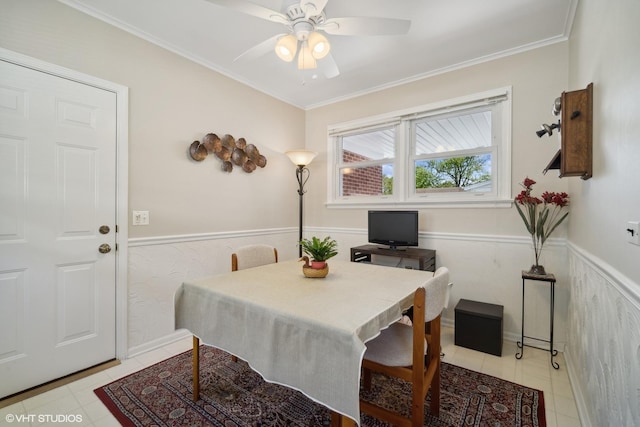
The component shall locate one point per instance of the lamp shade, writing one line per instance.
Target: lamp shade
(301, 157)
(319, 45)
(286, 47)
(306, 61)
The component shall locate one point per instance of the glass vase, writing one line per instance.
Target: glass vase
(536, 267)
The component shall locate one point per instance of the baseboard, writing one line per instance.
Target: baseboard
(158, 343)
(578, 395)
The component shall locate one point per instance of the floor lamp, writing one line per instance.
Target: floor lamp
(301, 158)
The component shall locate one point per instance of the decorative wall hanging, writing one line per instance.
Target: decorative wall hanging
(230, 151)
(575, 156)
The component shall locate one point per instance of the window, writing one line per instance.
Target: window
(454, 153)
(367, 163)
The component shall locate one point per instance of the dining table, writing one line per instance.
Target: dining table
(309, 334)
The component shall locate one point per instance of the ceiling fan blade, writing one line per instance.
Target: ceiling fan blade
(260, 49)
(329, 67)
(365, 26)
(252, 9)
(312, 7)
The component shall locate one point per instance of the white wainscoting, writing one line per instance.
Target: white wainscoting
(488, 268)
(483, 268)
(603, 346)
(157, 266)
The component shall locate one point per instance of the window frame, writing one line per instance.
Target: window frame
(404, 194)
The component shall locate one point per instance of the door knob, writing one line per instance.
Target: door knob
(104, 229)
(104, 248)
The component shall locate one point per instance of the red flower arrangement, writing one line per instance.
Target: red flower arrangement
(541, 216)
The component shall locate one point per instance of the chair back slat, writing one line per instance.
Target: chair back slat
(253, 256)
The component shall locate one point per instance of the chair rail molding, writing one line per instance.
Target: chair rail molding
(181, 238)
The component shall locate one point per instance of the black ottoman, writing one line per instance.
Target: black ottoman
(479, 326)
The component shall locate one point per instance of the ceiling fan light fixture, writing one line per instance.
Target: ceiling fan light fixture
(286, 47)
(306, 61)
(319, 45)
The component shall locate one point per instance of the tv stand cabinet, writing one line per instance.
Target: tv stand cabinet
(426, 257)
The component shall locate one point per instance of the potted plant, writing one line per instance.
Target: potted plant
(319, 250)
(541, 216)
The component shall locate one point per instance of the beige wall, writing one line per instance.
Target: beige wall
(610, 58)
(537, 78)
(172, 102)
(603, 345)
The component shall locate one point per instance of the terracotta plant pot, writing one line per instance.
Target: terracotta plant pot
(318, 265)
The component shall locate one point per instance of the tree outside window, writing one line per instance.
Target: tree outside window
(453, 173)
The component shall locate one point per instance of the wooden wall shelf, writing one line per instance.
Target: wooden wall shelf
(575, 156)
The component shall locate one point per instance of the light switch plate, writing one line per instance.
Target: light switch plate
(633, 232)
(140, 218)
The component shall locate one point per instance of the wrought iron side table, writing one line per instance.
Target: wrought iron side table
(551, 279)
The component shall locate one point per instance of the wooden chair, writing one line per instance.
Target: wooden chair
(253, 256)
(401, 351)
(427, 327)
(446, 305)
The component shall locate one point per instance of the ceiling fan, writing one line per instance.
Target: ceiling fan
(305, 21)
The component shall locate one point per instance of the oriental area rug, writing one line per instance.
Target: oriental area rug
(232, 394)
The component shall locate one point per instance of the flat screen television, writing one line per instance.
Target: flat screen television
(393, 228)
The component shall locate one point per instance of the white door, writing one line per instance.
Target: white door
(57, 188)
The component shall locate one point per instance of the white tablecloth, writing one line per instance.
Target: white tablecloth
(305, 333)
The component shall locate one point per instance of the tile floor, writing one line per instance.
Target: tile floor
(533, 370)
(78, 400)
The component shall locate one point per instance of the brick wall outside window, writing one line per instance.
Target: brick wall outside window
(361, 181)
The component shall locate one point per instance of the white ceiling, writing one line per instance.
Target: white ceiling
(444, 35)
